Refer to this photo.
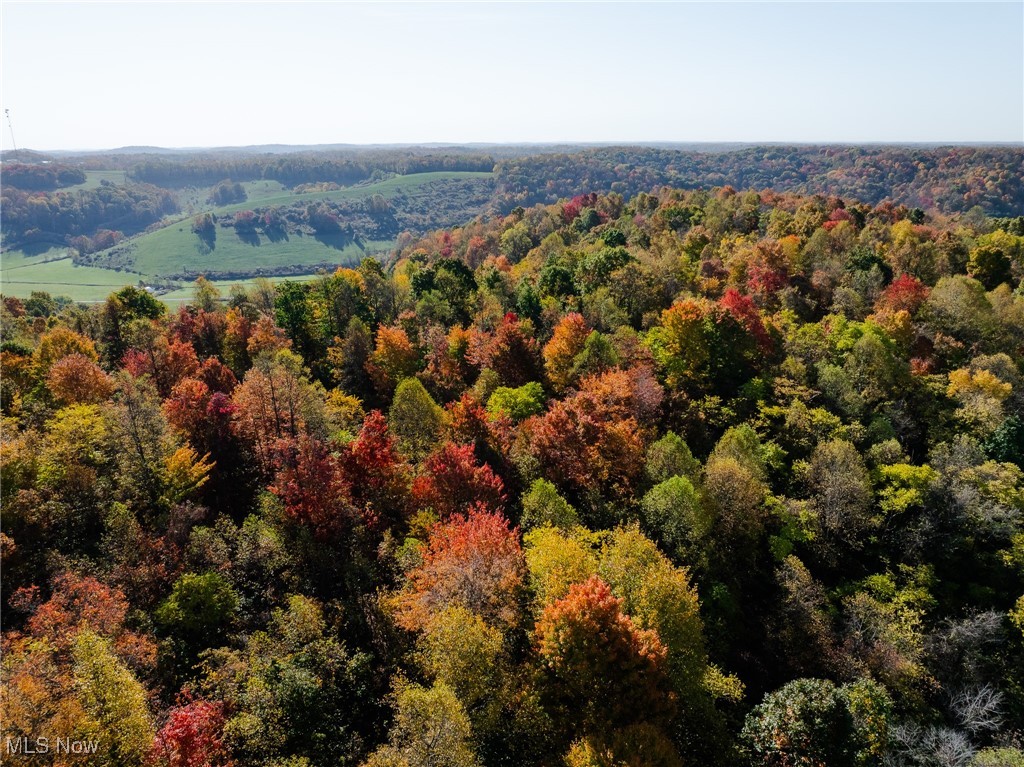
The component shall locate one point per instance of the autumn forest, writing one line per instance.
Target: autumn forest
(655, 459)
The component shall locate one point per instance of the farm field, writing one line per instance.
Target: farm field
(411, 185)
(175, 248)
(20, 276)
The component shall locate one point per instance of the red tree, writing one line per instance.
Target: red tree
(583, 445)
(312, 484)
(454, 480)
(473, 561)
(380, 480)
(79, 602)
(906, 293)
(742, 308)
(192, 737)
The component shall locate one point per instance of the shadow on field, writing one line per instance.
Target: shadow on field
(337, 240)
(248, 236)
(276, 234)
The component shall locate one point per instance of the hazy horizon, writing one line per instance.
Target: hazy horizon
(681, 145)
(101, 76)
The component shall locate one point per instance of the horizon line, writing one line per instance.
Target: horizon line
(541, 143)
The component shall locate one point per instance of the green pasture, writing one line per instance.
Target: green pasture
(19, 276)
(176, 248)
(392, 187)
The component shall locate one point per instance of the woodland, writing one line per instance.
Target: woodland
(671, 473)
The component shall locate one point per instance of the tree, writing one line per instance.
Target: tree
(669, 457)
(905, 294)
(454, 481)
(114, 699)
(542, 506)
(512, 353)
(205, 294)
(351, 359)
(702, 346)
(599, 669)
(516, 242)
(293, 692)
(293, 313)
(674, 516)
(471, 561)
(383, 482)
(80, 603)
(199, 607)
(992, 259)
(59, 343)
(811, 721)
(841, 497)
(516, 404)
(119, 310)
(76, 379)
(567, 341)
(393, 358)
(958, 307)
(584, 446)
(312, 484)
(274, 401)
(192, 737)
(165, 361)
(415, 419)
(431, 729)
(736, 496)
(460, 650)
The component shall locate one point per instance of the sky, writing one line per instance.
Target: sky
(93, 75)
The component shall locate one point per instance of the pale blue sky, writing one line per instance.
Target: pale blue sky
(92, 75)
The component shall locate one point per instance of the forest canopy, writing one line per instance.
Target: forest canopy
(715, 476)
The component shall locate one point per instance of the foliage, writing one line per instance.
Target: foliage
(811, 721)
(592, 482)
(600, 669)
(471, 561)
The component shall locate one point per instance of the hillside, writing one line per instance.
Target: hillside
(134, 211)
(713, 477)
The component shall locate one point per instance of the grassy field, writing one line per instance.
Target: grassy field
(20, 276)
(94, 177)
(195, 199)
(175, 248)
(392, 187)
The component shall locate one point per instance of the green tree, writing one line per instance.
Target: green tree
(841, 498)
(516, 404)
(812, 722)
(205, 294)
(115, 699)
(542, 505)
(431, 729)
(674, 516)
(669, 457)
(992, 259)
(460, 650)
(415, 419)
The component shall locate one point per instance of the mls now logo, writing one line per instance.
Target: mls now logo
(30, 746)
